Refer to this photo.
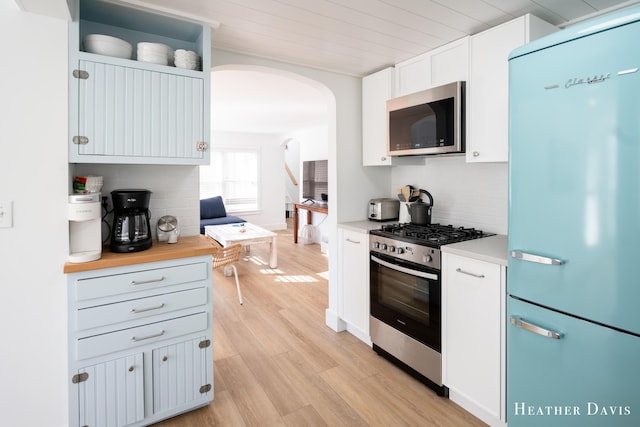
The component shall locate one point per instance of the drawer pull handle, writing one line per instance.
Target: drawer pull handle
(142, 310)
(159, 334)
(477, 276)
(144, 282)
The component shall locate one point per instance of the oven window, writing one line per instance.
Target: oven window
(407, 295)
(406, 301)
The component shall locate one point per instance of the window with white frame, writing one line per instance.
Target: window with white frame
(233, 174)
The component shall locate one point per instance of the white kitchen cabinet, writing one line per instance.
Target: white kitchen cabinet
(377, 88)
(140, 342)
(450, 63)
(446, 64)
(134, 112)
(488, 87)
(353, 273)
(413, 75)
(473, 350)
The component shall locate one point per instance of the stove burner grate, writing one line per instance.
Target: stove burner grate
(433, 234)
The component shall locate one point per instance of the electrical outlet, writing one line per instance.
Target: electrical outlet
(6, 214)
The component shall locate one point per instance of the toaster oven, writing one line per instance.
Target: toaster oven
(383, 209)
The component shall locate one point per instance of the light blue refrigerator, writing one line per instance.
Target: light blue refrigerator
(573, 276)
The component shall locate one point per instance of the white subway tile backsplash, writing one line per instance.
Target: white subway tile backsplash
(465, 194)
(175, 190)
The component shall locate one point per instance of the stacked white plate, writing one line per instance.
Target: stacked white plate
(187, 59)
(155, 53)
(107, 45)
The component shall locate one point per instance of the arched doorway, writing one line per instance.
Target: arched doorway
(282, 115)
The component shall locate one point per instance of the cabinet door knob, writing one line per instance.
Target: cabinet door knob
(476, 154)
(131, 368)
(165, 358)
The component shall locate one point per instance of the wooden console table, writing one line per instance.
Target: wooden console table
(310, 208)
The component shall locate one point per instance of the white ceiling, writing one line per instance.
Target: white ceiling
(359, 37)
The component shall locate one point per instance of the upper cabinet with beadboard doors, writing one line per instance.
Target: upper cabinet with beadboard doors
(488, 87)
(134, 112)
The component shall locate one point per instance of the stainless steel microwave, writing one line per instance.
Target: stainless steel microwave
(427, 122)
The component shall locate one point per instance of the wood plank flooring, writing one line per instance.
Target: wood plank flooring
(278, 364)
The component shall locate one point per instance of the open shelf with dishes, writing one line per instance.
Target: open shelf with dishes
(133, 33)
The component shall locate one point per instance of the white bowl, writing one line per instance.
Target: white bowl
(150, 52)
(107, 45)
(153, 47)
(154, 59)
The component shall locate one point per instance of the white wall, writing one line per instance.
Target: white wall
(272, 174)
(465, 194)
(33, 173)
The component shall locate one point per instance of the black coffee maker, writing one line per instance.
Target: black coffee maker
(131, 231)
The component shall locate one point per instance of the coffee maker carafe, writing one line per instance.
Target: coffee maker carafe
(131, 231)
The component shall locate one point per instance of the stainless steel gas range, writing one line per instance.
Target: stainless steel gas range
(405, 292)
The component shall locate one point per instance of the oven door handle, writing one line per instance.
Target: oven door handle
(401, 269)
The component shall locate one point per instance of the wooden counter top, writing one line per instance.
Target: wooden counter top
(186, 247)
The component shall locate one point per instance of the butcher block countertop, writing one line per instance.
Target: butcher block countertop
(188, 246)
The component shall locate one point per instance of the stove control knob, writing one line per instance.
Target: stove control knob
(427, 258)
(400, 251)
(383, 246)
(376, 245)
(392, 248)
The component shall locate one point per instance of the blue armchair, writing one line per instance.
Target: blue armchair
(213, 212)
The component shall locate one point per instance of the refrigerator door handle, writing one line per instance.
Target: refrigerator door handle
(517, 321)
(535, 258)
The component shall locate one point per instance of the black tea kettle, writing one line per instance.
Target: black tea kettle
(421, 211)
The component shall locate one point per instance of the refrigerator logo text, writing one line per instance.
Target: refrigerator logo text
(590, 409)
(595, 79)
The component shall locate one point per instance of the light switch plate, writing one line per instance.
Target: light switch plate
(6, 214)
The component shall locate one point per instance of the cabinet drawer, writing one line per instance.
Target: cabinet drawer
(97, 287)
(129, 338)
(139, 308)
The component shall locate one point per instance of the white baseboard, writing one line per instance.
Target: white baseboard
(477, 410)
(358, 333)
(334, 321)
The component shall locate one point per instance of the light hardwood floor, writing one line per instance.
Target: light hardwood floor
(278, 364)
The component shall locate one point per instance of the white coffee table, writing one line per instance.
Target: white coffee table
(245, 233)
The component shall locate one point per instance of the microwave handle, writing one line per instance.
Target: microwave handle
(404, 269)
